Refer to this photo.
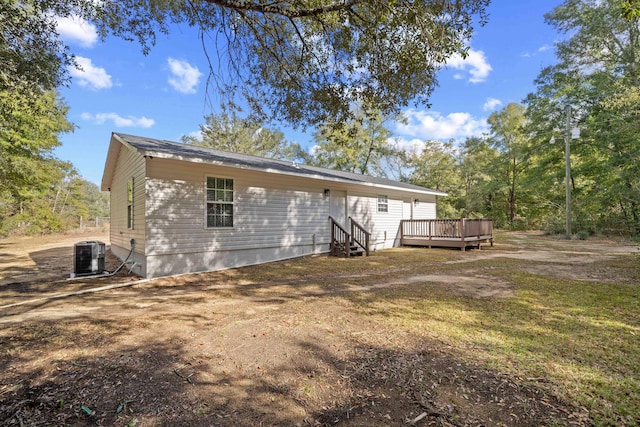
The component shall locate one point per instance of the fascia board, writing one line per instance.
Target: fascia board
(195, 159)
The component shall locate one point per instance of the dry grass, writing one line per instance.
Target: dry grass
(372, 341)
(580, 340)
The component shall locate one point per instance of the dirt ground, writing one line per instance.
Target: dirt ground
(246, 347)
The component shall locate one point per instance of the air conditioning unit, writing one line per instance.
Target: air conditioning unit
(89, 258)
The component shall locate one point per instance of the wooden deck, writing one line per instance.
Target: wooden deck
(450, 233)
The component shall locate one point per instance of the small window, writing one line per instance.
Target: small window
(130, 203)
(219, 202)
(383, 203)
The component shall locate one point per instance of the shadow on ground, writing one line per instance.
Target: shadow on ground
(85, 372)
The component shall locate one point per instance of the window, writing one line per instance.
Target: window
(219, 202)
(383, 203)
(130, 203)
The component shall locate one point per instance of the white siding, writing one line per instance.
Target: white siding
(275, 217)
(129, 165)
(425, 208)
(385, 226)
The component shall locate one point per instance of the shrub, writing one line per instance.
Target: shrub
(583, 234)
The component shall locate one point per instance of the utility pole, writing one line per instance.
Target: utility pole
(567, 155)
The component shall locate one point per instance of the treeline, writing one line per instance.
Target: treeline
(512, 174)
(516, 176)
(38, 192)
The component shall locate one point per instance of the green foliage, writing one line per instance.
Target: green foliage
(436, 167)
(481, 189)
(509, 139)
(28, 135)
(597, 75)
(228, 132)
(39, 193)
(308, 62)
(57, 208)
(583, 234)
(359, 145)
(304, 62)
(616, 144)
(32, 58)
(483, 177)
(631, 9)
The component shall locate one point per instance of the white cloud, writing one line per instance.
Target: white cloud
(119, 121)
(425, 125)
(89, 75)
(75, 29)
(414, 145)
(491, 104)
(541, 49)
(197, 134)
(184, 76)
(475, 64)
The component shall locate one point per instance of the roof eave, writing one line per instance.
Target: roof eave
(115, 145)
(196, 159)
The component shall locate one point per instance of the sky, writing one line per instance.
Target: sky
(163, 94)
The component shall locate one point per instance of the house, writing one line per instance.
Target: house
(181, 208)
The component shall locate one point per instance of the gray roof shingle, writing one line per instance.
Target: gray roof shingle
(187, 152)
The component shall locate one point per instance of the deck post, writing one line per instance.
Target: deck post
(455, 232)
(333, 234)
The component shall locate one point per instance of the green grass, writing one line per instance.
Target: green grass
(581, 339)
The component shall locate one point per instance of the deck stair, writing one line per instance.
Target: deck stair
(347, 244)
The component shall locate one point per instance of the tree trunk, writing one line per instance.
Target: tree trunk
(512, 195)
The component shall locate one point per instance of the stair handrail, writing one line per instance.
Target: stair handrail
(360, 235)
(339, 234)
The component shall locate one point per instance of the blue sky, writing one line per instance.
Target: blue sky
(163, 95)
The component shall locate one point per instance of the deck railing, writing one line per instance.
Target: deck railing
(359, 235)
(478, 227)
(437, 232)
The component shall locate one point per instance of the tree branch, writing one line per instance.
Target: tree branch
(274, 8)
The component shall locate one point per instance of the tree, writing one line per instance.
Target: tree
(229, 132)
(480, 181)
(69, 201)
(28, 134)
(631, 9)
(597, 75)
(509, 139)
(32, 57)
(304, 62)
(436, 167)
(38, 192)
(620, 133)
(359, 145)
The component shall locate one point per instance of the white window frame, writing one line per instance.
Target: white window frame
(383, 203)
(219, 199)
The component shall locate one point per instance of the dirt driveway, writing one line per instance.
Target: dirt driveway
(284, 344)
